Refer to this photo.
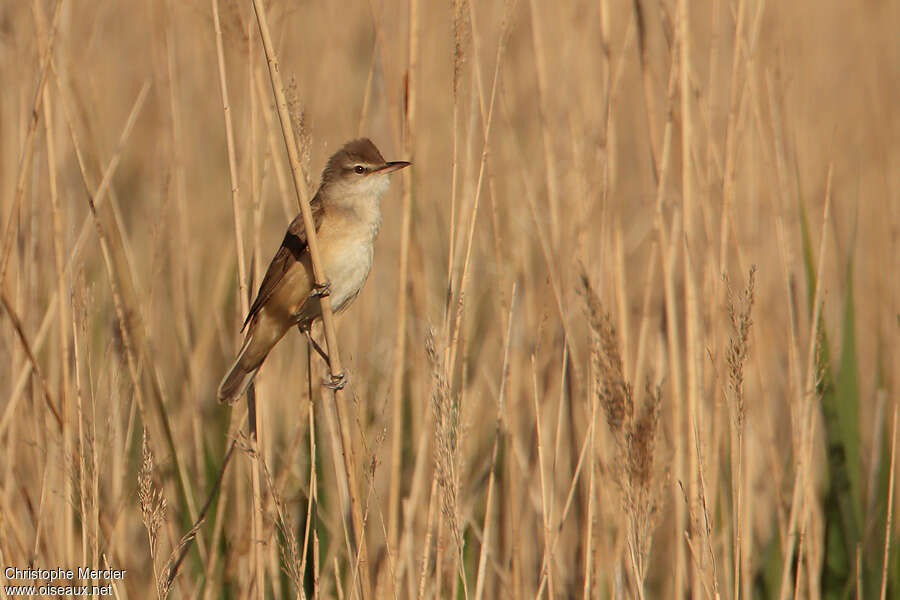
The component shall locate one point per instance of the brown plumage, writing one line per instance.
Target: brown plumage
(347, 216)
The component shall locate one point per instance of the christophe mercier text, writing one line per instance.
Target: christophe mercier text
(64, 574)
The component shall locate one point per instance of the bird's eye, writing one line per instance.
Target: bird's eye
(359, 169)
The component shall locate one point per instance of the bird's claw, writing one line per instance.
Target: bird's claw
(321, 290)
(336, 381)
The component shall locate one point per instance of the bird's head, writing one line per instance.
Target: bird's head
(358, 169)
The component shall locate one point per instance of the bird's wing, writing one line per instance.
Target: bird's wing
(292, 249)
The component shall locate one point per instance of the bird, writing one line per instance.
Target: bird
(347, 215)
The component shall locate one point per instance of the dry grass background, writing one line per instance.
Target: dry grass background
(576, 402)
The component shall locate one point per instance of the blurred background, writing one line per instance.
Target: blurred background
(632, 328)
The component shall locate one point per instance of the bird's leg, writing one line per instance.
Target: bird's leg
(315, 346)
(335, 381)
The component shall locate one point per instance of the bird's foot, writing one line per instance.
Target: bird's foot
(336, 381)
(321, 290)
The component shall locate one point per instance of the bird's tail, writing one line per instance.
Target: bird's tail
(238, 378)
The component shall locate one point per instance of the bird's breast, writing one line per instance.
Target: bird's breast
(348, 260)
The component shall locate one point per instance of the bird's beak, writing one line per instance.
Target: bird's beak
(391, 167)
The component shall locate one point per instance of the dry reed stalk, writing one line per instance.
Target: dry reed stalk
(337, 580)
(399, 366)
(135, 343)
(122, 323)
(459, 58)
(486, 527)
(587, 444)
(63, 308)
(290, 455)
(545, 241)
(738, 103)
(621, 293)
(211, 562)
(667, 258)
(16, 537)
(232, 162)
(546, 251)
(416, 491)
(801, 415)
(589, 577)
(327, 317)
(28, 149)
(40, 337)
(440, 543)
(272, 142)
(613, 85)
(735, 104)
(340, 472)
(291, 562)
(382, 60)
(708, 109)
(876, 466)
(79, 448)
(635, 470)
(736, 355)
(3, 554)
(550, 177)
(35, 367)
(477, 79)
(708, 570)
(367, 97)
(259, 441)
(371, 470)
(546, 558)
(797, 408)
(465, 192)
(180, 552)
(39, 532)
(647, 86)
(451, 351)
(693, 360)
(736, 111)
(558, 432)
(803, 478)
(185, 275)
(638, 373)
(256, 199)
(25, 370)
(429, 521)
(317, 565)
(257, 508)
(312, 503)
(688, 218)
(811, 393)
(446, 412)
(153, 513)
(889, 510)
(259, 579)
